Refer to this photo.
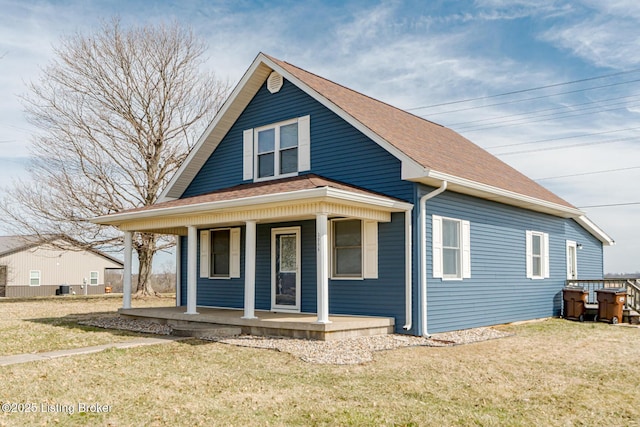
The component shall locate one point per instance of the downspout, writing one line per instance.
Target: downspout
(408, 309)
(423, 254)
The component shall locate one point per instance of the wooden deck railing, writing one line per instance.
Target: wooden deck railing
(633, 294)
(631, 285)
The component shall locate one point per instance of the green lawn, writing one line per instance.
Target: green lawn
(551, 373)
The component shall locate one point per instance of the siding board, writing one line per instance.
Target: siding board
(498, 290)
(334, 146)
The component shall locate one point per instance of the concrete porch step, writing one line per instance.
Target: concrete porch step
(199, 330)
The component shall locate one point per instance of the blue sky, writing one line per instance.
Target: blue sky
(414, 54)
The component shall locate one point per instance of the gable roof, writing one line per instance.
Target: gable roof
(430, 153)
(14, 244)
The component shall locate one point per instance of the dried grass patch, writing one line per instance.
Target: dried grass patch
(47, 324)
(552, 373)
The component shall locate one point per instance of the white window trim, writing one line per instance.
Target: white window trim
(97, 278)
(369, 250)
(234, 253)
(39, 277)
(250, 150)
(544, 261)
(465, 248)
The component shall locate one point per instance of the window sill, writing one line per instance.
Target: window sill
(271, 178)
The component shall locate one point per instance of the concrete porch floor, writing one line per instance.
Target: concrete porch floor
(295, 325)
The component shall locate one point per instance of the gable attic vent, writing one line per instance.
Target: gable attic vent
(274, 82)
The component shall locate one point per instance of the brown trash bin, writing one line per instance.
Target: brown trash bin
(611, 304)
(575, 299)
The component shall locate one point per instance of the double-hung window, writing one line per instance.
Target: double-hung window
(220, 253)
(277, 150)
(347, 248)
(277, 153)
(537, 251)
(354, 249)
(451, 248)
(34, 278)
(93, 278)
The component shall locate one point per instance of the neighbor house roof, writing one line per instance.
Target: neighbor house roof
(430, 153)
(14, 244)
(11, 244)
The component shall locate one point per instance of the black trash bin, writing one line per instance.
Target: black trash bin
(575, 302)
(64, 289)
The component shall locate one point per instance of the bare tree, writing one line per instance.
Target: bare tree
(117, 112)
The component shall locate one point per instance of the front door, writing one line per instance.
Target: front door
(285, 271)
(572, 260)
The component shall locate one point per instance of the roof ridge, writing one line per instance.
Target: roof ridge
(432, 146)
(354, 91)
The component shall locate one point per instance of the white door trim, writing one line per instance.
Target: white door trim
(275, 232)
(572, 262)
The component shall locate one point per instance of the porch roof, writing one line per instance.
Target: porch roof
(299, 197)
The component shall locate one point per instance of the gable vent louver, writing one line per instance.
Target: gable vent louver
(274, 82)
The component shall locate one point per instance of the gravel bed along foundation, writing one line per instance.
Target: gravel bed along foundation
(133, 325)
(339, 352)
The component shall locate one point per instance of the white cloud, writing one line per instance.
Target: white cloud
(605, 34)
(408, 54)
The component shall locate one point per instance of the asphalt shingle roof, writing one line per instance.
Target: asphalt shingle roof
(276, 186)
(431, 145)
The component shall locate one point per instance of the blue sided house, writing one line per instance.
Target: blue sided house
(304, 196)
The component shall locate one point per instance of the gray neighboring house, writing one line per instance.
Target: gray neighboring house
(31, 266)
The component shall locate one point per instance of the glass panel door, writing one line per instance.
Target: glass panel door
(572, 261)
(285, 271)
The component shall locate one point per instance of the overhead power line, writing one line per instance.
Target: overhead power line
(547, 117)
(561, 107)
(609, 205)
(515, 101)
(524, 90)
(562, 147)
(587, 173)
(562, 138)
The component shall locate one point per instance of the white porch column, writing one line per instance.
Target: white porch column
(322, 257)
(126, 280)
(250, 271)
(192, 269)
(178, 272)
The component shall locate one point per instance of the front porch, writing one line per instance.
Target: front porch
(295, 325)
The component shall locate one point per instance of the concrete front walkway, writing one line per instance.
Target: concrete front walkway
(32, 357)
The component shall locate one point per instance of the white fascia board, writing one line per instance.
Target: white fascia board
(499, 194)
(383, 202)
(237, 95)
(594, 230)
(321, 194)
(394, 151)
